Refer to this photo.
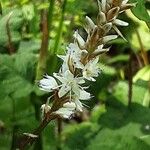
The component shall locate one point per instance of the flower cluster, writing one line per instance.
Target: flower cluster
(81, 60)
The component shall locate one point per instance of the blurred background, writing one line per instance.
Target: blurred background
(118, 115)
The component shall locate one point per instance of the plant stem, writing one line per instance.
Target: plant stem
(41, 68)
(50, 13)
(58, 37)
(59, 130)
(14, 125)
(59, 32)
(25, 140)
(46, 20)
(130, 81)
(10, 45)
(143, 52)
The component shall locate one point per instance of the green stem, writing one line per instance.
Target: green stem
(59, 131)
(46, 21)
(50, 13)
(59, 32)
(14, 128)
(130, 81)
(143, 52)
(58, 38)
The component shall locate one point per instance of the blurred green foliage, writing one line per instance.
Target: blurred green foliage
(110, 123)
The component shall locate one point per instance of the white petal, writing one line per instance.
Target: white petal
(76, 89)
(84, 95)
(70, 105)
(124, 2)
(120, 22)
(48, 83)
(68, 75)
(64, 112)
(62, 57)
(64, 90)
(61, 79)
(80, 80)
(79, 105)
(79, 38)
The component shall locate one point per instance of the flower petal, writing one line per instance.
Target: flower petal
(79, 39)
(64, 90)
(79, 105)
(48, 83)
(84, 95)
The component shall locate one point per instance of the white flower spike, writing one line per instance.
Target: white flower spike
(81, 61)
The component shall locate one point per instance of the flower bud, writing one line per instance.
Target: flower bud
(109, 38)
(120, 22)
(90, 23)
(112, 14)
(107, 27)
(101, 18)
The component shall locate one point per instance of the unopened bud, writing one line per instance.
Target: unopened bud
(101, 18)
(112, 14)
(90, 23)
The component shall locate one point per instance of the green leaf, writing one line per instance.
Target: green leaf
(117, 128)
(77, 137)
(146, 101)
(17, 72)
(28, 11)
(140, 10)
(120, 92)
(119, 58)
(143, 74)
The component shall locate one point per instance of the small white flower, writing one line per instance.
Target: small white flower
(69, 83)
(48, 84)
(91, 70)
(67, 110)
(75, 53)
